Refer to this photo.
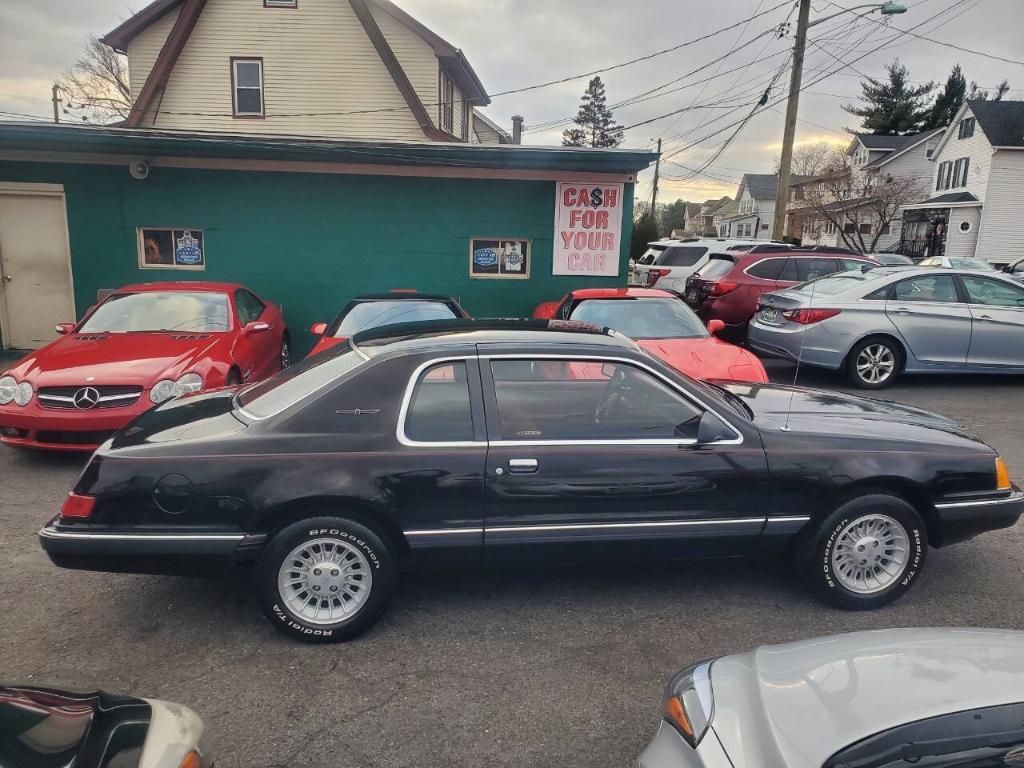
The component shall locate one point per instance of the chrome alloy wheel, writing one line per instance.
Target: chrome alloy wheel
(875, 363)
(325, 581)
(870, 554)
(286, 355)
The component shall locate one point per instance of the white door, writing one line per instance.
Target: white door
(35, 269)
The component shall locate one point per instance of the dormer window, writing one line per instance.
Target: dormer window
(446, 105)
(966, 129)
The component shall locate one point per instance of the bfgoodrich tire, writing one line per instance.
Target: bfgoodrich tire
(865, 553)
(325, 579)
(874, 363)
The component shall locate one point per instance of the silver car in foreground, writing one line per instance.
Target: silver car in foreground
(888, 698)
(886, 321)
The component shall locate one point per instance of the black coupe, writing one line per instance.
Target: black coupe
(498, 442)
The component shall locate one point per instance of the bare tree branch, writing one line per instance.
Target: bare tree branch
(98, 83)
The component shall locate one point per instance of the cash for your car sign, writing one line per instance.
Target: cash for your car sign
(588, 229)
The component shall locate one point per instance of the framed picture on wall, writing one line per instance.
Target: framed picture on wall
(171, 248)
(499, 258)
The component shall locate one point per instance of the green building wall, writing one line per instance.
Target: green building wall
(311, 241)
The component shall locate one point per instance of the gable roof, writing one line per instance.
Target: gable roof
(1002, 121)
(764, 186)
(692, 210)
(728, 209)
(911, 141)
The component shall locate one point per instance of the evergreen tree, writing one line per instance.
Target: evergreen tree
(977, 92)
(892, 108)
(645, 230)
(594, 124)
(948, 101)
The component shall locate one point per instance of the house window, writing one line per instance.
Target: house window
(247, 87)
(965, 226)
(465, 121)
(963, 172)
(446, 103)
(865, 229)
(966, 129)
(885, 229)
(280, 3)
(850, 228)
(167, 248)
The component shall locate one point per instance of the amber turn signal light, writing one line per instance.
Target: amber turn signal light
(192, 760)
(1002, 475)
(675, 713)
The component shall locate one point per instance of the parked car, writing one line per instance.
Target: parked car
(677, 260)
(473, 442)
(660, 323)
(47, 727)
(728, 287)
(888, 698)
(945, 262)
(1015, 270)
(880, 324)
(143, 344)
(379, 309)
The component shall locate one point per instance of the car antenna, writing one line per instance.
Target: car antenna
(799, 358)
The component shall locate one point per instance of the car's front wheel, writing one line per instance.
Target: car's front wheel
(865, 553)
(325, 579)
(874, 363)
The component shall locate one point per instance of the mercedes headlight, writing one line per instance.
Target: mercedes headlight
(165, 389)
(7, 387)
(689, 704)
(23, 394)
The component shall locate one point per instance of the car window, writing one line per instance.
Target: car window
(853, 264)
(992, 293)
(651, 254)
(769, 269)
(789, 272)
(642, 318)
(716, 267)
(680, 256)
(813, 268)
(935, 288)
(248, 307)
(836, 284)
(288, 387)
(154, 311)
(364, 315)
(439, 410)
(587, 401)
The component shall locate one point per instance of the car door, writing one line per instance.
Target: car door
(596, 458)
(929, 314)
(256, 354)
(997, 316)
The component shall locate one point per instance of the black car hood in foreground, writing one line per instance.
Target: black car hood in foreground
(812, 411)
(40, 728)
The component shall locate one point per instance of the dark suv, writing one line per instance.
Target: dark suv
(728, 287)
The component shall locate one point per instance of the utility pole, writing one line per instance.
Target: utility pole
(654, 192)
(782, 196)
(55, 92)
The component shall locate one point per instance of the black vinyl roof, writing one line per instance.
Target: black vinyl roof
(1002, 121)
(458, 332)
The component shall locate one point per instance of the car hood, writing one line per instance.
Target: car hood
(798, 704)
(812, 411)
(116, 358)
(707, 358)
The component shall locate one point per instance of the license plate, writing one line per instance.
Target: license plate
(770, 315)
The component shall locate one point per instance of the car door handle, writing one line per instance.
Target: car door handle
(522, 466)
(986, 318)
(902, 311)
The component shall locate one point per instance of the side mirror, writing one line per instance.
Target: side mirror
(1008, 269)
(711, 429)
(64, 328)
(256, 326)
(318, 329)
(715, 326)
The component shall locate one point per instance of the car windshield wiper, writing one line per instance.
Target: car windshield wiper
(911, 752)
(734, 399)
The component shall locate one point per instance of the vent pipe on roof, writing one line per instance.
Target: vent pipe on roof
(517, 129)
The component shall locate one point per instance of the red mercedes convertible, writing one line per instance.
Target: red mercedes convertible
(142, 345)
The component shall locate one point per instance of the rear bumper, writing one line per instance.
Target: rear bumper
(794, 344)
(199, 553)
(962, 520)
(65, 430)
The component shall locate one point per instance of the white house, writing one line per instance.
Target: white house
(977, 187)
(340, 69)
(755, 201)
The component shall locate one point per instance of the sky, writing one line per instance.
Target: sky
(517, 43)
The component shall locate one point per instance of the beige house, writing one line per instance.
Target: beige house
(340, 69)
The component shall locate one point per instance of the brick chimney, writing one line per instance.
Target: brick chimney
(517, 129)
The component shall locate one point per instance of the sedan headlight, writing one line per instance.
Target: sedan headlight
(7, 387)
(23, 394)
(689, 703)
(165, 389)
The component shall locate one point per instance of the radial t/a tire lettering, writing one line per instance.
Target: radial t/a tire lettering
(325, 579)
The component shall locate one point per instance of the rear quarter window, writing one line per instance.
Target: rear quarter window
(768, 269)
(716, 267)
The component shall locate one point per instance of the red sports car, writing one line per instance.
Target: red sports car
(661, 323)
(377, 309)
(143, 344)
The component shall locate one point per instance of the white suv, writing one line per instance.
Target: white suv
(667, 263)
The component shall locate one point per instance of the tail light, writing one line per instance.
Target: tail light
(77, 506)
(809, 316)
(654, 275)
(722, 287)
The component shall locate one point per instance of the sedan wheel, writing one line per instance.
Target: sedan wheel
(286, 354)
(870, 554)
(874, 363)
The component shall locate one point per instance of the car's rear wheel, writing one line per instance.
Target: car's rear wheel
(874, 363)
(865, 553)
(325, 579)
(286, 353)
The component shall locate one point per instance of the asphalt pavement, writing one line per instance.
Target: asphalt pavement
(552, 667)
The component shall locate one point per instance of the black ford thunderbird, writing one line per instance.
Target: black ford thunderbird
(501, 442)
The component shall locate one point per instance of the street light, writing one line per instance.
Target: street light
(887, 8)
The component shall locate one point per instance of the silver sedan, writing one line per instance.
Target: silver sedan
(884, 699)
(881, 323)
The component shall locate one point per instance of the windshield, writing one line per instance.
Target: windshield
(680, 256)
(373, 314)
(642, 318)
(292, 384)
(836, 284)
(155, 311)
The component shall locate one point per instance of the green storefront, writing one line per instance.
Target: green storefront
(310, 224)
